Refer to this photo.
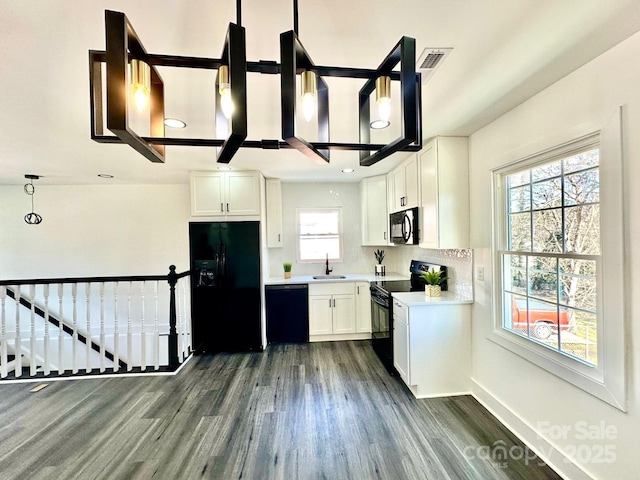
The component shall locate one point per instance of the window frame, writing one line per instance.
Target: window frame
(338, 210)
(607, 380)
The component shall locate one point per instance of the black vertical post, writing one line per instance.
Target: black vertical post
(172, 278)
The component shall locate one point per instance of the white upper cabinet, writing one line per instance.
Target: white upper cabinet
(375, 217)
(225, 193)
(405, 188)
(274, 212)
(444, 193)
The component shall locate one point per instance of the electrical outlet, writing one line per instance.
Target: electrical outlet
(480, 274)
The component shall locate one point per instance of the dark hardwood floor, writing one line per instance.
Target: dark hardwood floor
(306, 411)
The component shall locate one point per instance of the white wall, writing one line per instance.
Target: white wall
(94, 230)
(520, 392)
(356, 259)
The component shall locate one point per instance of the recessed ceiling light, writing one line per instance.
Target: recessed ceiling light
(105, 175)
(379, 124)
(224, 168)
(347, 170)
(174, 123)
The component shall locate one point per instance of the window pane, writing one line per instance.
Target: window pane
(515, 273)
(578, 282)
(520, 178)
(319, 222)
(582, 161)
(547, 194)
(580, 339)
(546, 171)
(582, 230)
(519, 199)
(515, 314)
(582, 188)
(543, 278)
(317, 248)
(547, 231)
(519, 231)
(543, 321)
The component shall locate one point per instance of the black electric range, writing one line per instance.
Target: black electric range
(382, 308)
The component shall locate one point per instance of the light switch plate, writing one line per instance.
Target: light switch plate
(480, 274)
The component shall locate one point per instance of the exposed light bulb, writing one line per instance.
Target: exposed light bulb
(384, 109)
(226, 102)
(383, 98)
(309, 89)
(140, 84)
(140, 98)
(308, 106)
(224, 88)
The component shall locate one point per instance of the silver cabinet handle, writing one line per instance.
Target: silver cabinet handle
(358, 288)
(278, 237)
(221, 207)
(329, 303)
(384, 235)
(227, 207)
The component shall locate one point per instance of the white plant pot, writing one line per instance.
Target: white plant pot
(380, 269)
(432, 290)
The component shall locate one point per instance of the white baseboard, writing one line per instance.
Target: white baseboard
(548, 452)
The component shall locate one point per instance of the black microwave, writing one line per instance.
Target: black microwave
(404, 227)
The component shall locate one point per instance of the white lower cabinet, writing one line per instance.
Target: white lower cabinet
(333, 312)
(363, 307)
(432, 345)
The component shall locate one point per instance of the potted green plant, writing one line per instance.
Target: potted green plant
(433, 280)
(287, 269)
(380, 269)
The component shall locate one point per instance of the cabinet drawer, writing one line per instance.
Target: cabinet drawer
(400, 311)
(339, 288)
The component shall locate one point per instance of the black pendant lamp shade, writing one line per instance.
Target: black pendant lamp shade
(123, 46)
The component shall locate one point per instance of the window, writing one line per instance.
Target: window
(550, 266)
(319, 234)
(558, 250)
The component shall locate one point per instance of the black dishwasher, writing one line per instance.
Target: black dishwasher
(287, 313)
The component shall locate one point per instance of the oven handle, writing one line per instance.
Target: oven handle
(380, 302)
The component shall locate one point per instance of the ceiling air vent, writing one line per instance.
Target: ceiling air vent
(431, 59)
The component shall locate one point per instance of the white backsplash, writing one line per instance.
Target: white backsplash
(357, 259)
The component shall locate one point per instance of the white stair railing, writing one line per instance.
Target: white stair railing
(108, 335)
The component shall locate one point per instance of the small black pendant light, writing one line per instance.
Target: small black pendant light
(29, 188)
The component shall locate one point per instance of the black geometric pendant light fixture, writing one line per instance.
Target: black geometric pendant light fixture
(143, 85)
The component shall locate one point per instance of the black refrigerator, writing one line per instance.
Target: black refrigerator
(225, 286)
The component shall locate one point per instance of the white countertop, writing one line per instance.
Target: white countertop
(352, 277)
(419, 298)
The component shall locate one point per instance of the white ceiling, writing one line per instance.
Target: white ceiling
(504, 52)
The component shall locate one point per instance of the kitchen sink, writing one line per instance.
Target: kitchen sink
(328, 277)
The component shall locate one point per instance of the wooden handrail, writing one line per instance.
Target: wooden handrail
(131, 278)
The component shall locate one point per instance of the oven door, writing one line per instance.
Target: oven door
(379, 319)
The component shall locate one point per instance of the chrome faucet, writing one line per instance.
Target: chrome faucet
(327, 271)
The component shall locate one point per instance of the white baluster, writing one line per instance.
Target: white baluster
(143, 332)
(60, 329)
(116, 334)
(47, 364)
(129, 339)
(32, 337)
(3, 332)
(74, 336)
(18, 339)
(87, 292)
(102, 336)
(156, 334)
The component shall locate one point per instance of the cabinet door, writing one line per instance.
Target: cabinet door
(375, 219)
(274, 212)
(429, 181)
(344, 314)
(411, 178)
(320, 319)
(399, 193)
(243, 193)
(207, 193)
(363, 307)
(401, 347)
